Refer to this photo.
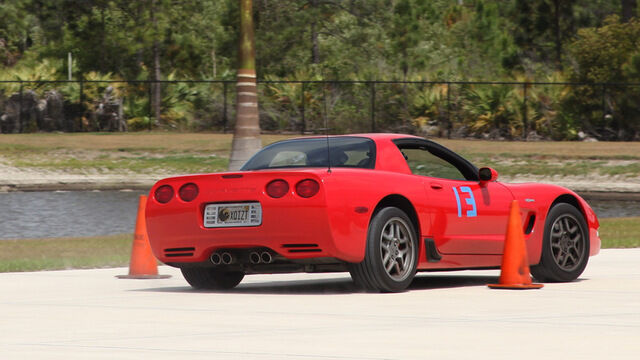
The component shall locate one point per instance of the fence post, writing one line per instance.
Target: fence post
(150, 107)
(131, 93)
(604, 104)
(525, 120)
(224, 107)
(81, 106)
(19, 120)
(81, 92)
(372, 89)
(303, 125)
(449, 124)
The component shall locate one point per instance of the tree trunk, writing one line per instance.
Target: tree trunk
(315, 54)
(101, 65)
(157, 90)
(213, 61)
(558, 36)
(405, 74)
(246, 138)
(628, 9)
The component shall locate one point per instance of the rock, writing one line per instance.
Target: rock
(581, 135)
(109, 114)
(534, 136)
(11, 118)
(54, 117)
(430, 130)
(31, 116)
(494, 134)
(460, 132)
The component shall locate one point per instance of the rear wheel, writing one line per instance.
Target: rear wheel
(391, 253)
(565, 247)
(211, 278)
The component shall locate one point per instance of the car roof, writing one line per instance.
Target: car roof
(372, 136)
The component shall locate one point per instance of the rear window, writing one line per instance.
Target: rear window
(353, 152)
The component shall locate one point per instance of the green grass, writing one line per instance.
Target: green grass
(620, 232)
(65, 253)
(174, 153)
(115, 250)
(174, 163)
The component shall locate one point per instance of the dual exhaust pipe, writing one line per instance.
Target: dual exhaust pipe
(260, 258)
(226, 258)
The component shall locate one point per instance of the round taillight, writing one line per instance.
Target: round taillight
(277, 188)
(307, 188)
(164, 194)
(188, 192)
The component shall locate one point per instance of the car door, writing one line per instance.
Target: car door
(467, 216)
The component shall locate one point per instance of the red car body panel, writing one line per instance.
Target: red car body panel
(466, 220)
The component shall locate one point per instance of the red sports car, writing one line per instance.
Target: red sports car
(381, 206)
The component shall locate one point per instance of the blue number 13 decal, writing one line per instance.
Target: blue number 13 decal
(469, 200)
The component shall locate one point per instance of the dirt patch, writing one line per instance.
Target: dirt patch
(33, 179)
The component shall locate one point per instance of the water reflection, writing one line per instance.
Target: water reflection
(62, 214)
(615, 208)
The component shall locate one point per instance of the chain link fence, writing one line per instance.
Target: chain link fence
(495, 110)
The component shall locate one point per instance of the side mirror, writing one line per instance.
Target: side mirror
(487, 174)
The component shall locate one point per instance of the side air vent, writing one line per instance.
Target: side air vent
(302, 248)
(179, 252)
(530, 223)
(433, 256)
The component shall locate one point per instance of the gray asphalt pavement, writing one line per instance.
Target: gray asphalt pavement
(89, 314)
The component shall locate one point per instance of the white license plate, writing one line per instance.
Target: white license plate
(231, 215)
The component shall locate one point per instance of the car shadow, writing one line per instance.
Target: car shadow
(333, 286)
(433, 282)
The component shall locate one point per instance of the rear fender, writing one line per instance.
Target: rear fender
(352, 202)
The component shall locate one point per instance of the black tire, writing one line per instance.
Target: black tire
(391, 254)
(565, 246)
(211, 278)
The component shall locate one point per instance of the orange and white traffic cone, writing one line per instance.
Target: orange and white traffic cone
(143, 264)
(514, 273)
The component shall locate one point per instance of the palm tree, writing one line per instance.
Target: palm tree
(246, 138)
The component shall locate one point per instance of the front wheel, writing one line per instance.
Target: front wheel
(565, 246)
(391, 253)
(211, 278)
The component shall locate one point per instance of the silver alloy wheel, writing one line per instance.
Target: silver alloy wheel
(567, 245)
(396, 249)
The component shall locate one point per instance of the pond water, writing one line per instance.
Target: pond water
(92, 213)
(67, 214)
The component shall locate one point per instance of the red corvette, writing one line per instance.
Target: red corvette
(381, 206)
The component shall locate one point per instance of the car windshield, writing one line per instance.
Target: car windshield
(352, 152)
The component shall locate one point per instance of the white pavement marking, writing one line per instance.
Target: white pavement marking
(89, 314)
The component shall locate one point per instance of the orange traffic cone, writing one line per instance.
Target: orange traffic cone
(143, 264)
(514, 273)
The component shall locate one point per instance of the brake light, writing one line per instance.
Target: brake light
(307, 188)
(188, 192)
(164, 194)
(277, 188)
